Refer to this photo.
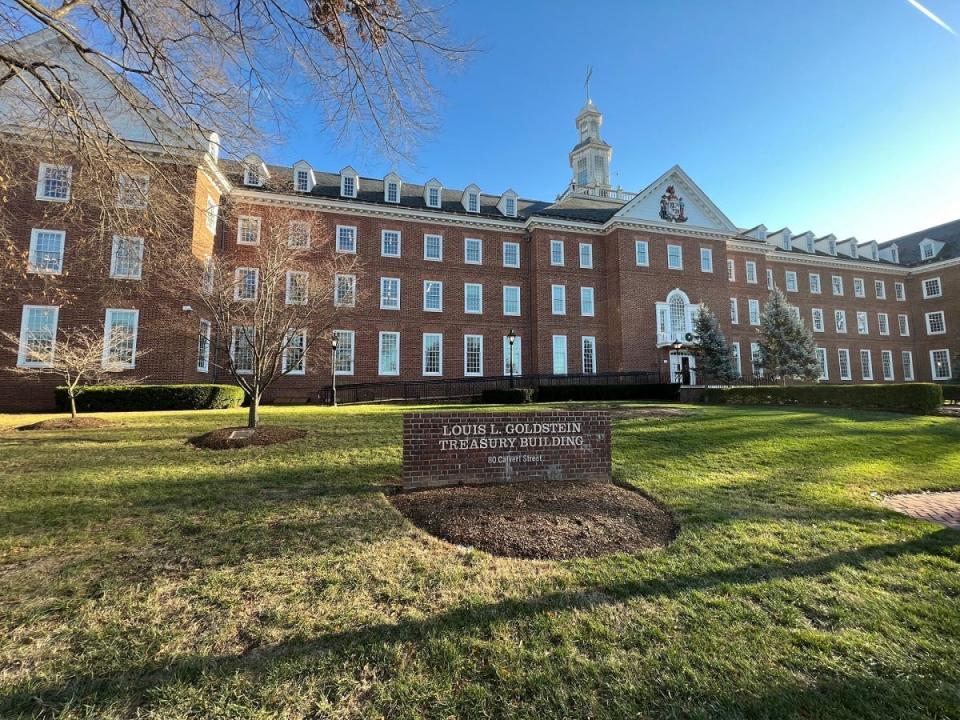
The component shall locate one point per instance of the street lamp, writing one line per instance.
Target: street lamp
(333, 366)
(511, 338)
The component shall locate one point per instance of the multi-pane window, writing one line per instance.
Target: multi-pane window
(866, 365)
(588, 351)
(294, 359)
(737, 363)
(53, 182)
(346, 239)
(473, 202)
(932, 288)
(642, 253)
(390, 243)
(675, 257)
(886, 364)
(38, 335)
(433, 197)
(556, 252)
(511, 299)
(126, 257)
(345, 290)
(433, 247)
(822, 362)
(755, 359)
(473, 298)
(297, 287)
(731, 270)
(843, 357)
(203, 346)
(511, 356)
(815, 283)
(883, 323)
(751, 272)
(753, 308)
(906, 358)
(558, 297)
(46, 251)
(863, 326)
(940, 364)
(900, 291)
(246, 282)
(393, 192)
(298, 234)
(936, 323)
(210, 214)
(734, 312)
(132, 191)
(859, 290)
(348, 186)
(241, 348)
(432, 354)
(880, 288)
(389, 293)
(343, 357)
(248, 230)
(559, 354)
(251, 176)
(586, 255)
(586, 301)
(791, 278)
(433, 296)
(473, 355)
(706, 260)
(817, 315)
(927, 250)
(302, 181)
(510, 206)
(120, 338)
(904, 321)
(389, 359)
(511, 254)
(473, 251)
(770, 282)
(840, 320)
(837, 282)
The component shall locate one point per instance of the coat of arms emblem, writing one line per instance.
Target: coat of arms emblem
(671, 206)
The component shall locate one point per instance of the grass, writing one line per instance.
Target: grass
(140, 577)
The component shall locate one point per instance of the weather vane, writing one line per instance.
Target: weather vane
(586, 83)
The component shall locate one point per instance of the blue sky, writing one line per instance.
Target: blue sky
(835, 116)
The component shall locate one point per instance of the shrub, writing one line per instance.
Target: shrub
(507, 396)
(651, 391)
(919, 398)
(951, 393)
(116, 398)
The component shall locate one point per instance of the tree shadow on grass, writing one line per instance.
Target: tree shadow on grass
(132, 687)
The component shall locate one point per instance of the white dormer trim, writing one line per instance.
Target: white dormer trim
(213, 146)
(848, 247)
(827, 244)
(929, 248)
(433, 184)
(891, 253)
(870, 250)
(503, 205)
(471, 193)
(254, 171)
(346, 186)
(392, 178)
(782, 239)
(303, 166)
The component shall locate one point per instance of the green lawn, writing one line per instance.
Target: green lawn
(140, 577)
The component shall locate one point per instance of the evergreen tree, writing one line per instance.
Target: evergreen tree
(786, 346)
(712, 351)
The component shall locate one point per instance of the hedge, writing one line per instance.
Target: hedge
(951, 393)
(507, 396)
(116, 398)
(919, 398)
(651, 391)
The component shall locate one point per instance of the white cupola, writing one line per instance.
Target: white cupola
(590, 157)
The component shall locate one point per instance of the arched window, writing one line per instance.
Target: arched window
(675, 318)
(678, 314)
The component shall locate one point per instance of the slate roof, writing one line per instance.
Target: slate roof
(909, 245)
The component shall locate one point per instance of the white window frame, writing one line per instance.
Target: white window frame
(439, 238)
(822, 361)
(883, 323)
(383, 243)
(903, 323)
(553, 355)
(868, 356)
(731, 270)
(203, 346)
(554, 298)
(466, 341)
(943, 321)
(351, 280)
(844, 354)
(840, 321)
(588, 247)
(900, 291)
(426, 284)
(22, 346)
(248, 222)
(859, 288)
(933, 365)
(36, 268)
(751, 271)
(288, 287)
(836, 285)
(42, 180)
(644, 246)
(519, 309)
(391, 184)
(380, 357)
(514, 246)
(928, 295)
(734, 311)
(344, 232)
(584, 341)
(737, 359)
(108, 333)
(238, 283)
(114, 248)
(863, 323)
(234, 334)
(880, 289)
(340, 335)
(466, 294)
(555, 246)
(299, 173)
(706, 260)
(815, 287)
(906, 362)
(816, 314)
(139, 199)
(790, 279)
(678, 256)
(383, 282)
(584, 293)
(297, 229)
(355, 182)
(466, 251)
(211, 214)
(753, 311)
(886, 365)
(423, 352)
(429, 196)
(473, 202)
(285, 356)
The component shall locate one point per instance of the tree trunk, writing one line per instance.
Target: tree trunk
(253, 416)
(73, 405)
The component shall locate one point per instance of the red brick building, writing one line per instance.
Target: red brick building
(598, 280)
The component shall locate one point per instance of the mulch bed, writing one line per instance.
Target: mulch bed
(80, 423)
(541, 519)
(263, 435)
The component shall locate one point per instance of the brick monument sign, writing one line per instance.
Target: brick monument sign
(471, 448)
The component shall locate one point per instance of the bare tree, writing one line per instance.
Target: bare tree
(80, 357)
(271, 303)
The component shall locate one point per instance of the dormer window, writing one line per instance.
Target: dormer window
(809, 243)
(895, 254)
(349, 182)
(432, 194)
(854, 252)
(511, 207)
(874, 253)
(393, 192)
(786, 242)
(473, 202)
(251, 177)
(927, 250)
(832, 247)
(302, 181)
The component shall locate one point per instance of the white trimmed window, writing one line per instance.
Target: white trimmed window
(132, 191)
(731, 270)
(936, 323)
(817, 316)
(294, 358)
(837, 283)
(843, 357)
(346, 239)
(433, 247)
(120, 339)
(46, 251)
(301, 180)
(298, 234)
(880, 288)
(559, 354)
(510, 207)
(556, 252)
(433, 197)
(558, 298)
(511, 299)
(770, 282)
(675, 257)
(241, 349)
(392, 195)
(389, 354)
(863, 326)
(248, 230)
(734, 312)
(588, 354)
(906, 359)
(348, 185)
(859, 289)
(203, 346)
(252, 177)
(822, 362)
(432, 354)
(940, 364)
(755, 358)
(297, 287)
(900, 291)
(904, 322)
(586, 255)
(345, 290)
(343, 358)
(753, 308)
(517, 354)
(814, 283)
(433, 296)
(126, 258)
(53, 182)
(883, 323)
(791, 279)
(473, 251)
(751, 272)
(932, 288)
(473, 355)
(737, 362)
(389, 293)
(586, 302)
(246, 281)
(511, 254)
(886, 364)
(472, 298)
(38, 335)
(642, 252)
(706, 260)
(210, 214)
(390, 243)
(866, 365)
(840, 320)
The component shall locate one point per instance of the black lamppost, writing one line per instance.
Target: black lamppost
(511, 338)
(333, 367)
(675, 347)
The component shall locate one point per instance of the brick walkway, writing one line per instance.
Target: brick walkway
(938, 507)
